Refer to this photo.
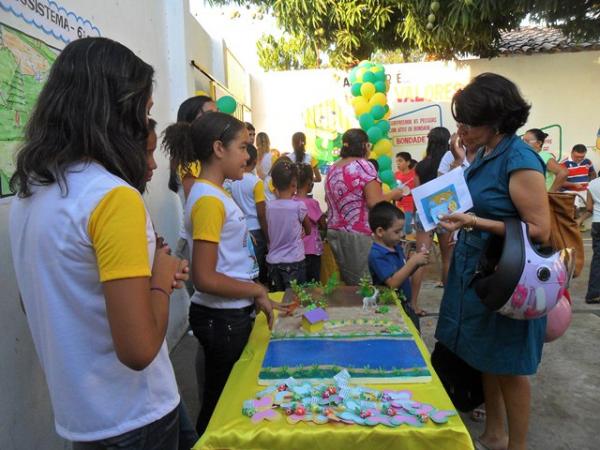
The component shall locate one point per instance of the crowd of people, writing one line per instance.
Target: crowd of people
(96, 279)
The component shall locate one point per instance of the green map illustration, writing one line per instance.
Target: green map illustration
(24, 66)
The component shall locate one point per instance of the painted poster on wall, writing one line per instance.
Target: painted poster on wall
(419, 100)
(24, 66)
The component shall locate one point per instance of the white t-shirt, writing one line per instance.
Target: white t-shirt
(594, 190)
(212, 215)
(247, 192)
(64, 247)
(447, 160)
(268, 189)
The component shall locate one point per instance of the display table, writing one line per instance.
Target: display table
(229, 429)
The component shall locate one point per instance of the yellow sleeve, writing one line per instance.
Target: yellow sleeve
(313, 162)
(193, 170)
(259, 191)
(117, 229)
(208, 218)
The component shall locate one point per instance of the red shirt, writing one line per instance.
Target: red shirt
(406, 204)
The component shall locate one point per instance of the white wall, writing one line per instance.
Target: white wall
(562, 87)
(164, 34)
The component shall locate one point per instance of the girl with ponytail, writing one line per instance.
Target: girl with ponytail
(224, 265)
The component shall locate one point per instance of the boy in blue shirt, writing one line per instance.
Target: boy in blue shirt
(387, 263)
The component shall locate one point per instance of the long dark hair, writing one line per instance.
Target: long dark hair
(299, 145)
(437, 145)
(188, 111)
(186, 143)
(93, 107)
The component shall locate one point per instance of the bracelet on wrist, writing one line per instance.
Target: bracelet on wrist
(159, 289)
(473, 224)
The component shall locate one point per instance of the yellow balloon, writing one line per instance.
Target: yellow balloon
(361, 106)
(372, 155)
(379, 98)
(387, 115)
(383, 147)
(367, 90)
(376, 69)
(355, 100)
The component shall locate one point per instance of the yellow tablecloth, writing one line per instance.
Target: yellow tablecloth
(229, 429)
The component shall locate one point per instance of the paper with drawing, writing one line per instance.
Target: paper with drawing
(446, 194)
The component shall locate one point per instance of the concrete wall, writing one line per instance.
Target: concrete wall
(164, 34)
(562, 87)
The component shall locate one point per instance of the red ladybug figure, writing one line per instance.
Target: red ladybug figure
(300, 410)
(282, 387)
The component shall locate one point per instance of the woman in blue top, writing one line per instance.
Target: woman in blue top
(506, 179)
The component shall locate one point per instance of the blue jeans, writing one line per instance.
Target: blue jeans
(223, 334)
(593, 291)
(282, 274)
(260, 248)
(162, 434)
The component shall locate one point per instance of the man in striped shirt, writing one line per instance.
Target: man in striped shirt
(581, 170)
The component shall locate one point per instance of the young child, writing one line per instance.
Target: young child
(406, 176)
(223, 262)
(187, 433)
(313, 245)
(249, 194)
(286, 218)
(387, 263)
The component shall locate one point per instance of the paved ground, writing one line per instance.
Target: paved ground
(566, 389)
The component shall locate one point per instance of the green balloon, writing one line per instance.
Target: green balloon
(226, 104)
(384, 126)
(380, 76)
(369, 77)
(385, 163)
(387, 177)
(380, 86)
(355, 89)
(366, 121)
(387, 108)
(374, 134)
(378, 112)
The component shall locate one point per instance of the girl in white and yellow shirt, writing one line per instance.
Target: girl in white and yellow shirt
(95, 287)
(224, 265)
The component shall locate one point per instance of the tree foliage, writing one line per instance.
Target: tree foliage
(348, 31)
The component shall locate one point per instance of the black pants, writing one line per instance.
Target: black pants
(593, 291)
(313, 267)
(260, 248)
(223, 334)
(282, 274)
